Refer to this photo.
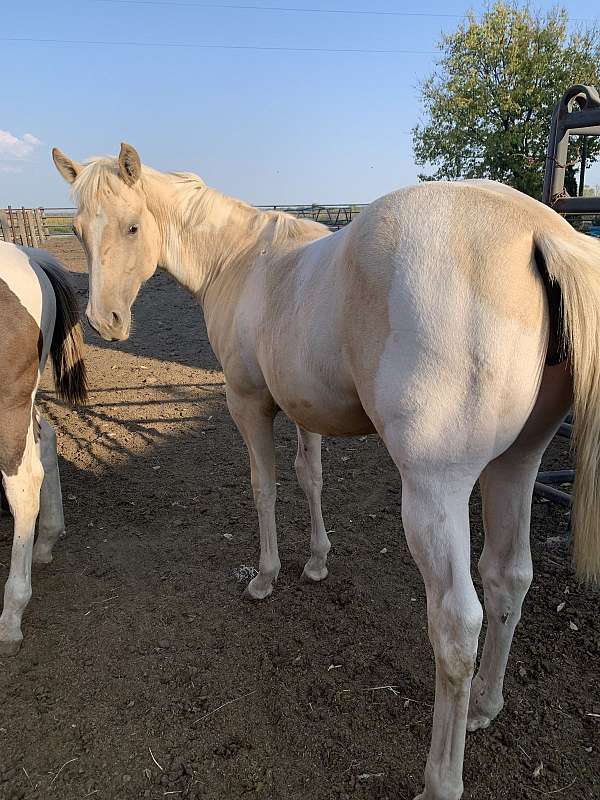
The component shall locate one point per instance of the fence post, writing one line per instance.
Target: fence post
(13, 229)
(27, 227)
(21, 226)
(41, 213)
(5, 227)
(39, 221)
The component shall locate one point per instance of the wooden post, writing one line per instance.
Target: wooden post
(32, 225)
(27, 227)
(11, 221)
(39, 220)
(5, 227)
(18, 224)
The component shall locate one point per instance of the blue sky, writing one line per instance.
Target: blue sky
(267, 126)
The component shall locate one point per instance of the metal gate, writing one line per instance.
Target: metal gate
(577, 114)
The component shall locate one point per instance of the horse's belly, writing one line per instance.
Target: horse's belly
(325, 410)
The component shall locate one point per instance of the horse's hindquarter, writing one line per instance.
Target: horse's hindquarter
(21, 315)
(446, 322)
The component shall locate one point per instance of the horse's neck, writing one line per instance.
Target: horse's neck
(203, 233)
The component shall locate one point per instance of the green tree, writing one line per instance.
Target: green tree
(488, 105)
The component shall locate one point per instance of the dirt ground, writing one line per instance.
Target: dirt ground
(143, 674)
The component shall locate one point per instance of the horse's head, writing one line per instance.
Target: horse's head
(119, 234)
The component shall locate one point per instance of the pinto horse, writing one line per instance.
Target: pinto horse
(38, 318)
(459, 321)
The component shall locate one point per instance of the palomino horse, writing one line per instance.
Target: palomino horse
(435, 319)
(38, 317)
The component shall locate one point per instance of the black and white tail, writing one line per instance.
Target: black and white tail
(66, 350)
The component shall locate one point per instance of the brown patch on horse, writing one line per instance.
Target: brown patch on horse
(19, 363)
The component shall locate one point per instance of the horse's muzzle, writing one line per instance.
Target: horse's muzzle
(117, 330)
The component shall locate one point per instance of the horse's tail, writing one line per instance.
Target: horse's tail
(573, 262)
(66, 350)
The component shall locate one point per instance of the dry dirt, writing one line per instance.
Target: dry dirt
(143, 673)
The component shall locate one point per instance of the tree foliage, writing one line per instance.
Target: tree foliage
(488, 105)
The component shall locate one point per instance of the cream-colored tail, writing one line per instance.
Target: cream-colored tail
(573, 261)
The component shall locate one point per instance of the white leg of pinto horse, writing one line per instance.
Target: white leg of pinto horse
(505, 565)
(310, 478)
(254, 416)
(435, 515)
(23, 495)
(51, 520)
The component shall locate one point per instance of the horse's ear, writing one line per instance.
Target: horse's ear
(130, 166)
(68, 169)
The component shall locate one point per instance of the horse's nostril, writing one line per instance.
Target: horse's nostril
(116, 319)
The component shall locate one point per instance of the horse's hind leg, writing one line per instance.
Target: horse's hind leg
(505, 564)
(506, 571)
(310, 477)
(435, 515)
(23, 494)
(51, 521)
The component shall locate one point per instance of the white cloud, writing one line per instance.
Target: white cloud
(4, 168)
(12, 148)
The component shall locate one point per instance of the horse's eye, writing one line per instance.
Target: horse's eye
(133, 229)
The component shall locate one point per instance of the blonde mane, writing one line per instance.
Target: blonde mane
(195, 201)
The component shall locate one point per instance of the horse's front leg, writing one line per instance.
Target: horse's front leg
(310, 478)
(254, 419)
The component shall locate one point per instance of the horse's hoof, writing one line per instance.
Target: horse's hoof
(484, 706)
(314, 577)
(42, 558)
(443, 794)
(255, 592)
(478, 722)
(10, 647)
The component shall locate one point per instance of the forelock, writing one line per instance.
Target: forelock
(98, 178)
